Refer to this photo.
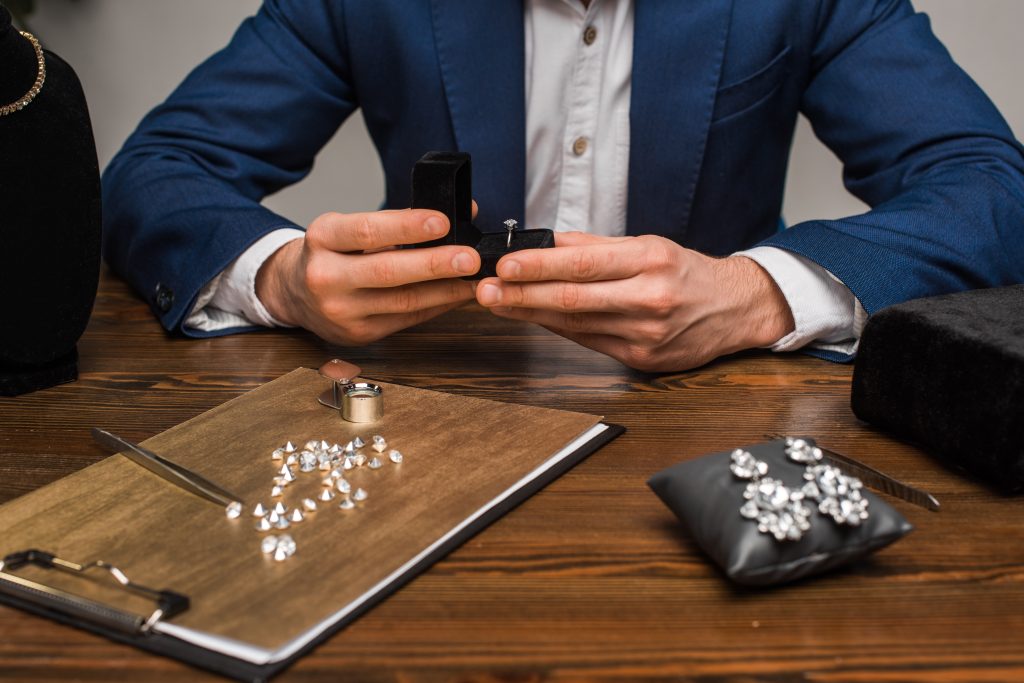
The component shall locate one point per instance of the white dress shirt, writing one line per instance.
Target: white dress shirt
(578, 79)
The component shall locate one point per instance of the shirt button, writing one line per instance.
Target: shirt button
(590, 35)
(579, 146)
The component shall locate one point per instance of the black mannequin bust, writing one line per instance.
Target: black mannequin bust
(49, 217)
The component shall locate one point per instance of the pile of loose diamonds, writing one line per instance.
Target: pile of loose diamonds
(331, 462)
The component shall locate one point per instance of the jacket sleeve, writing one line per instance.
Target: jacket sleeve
(924, 147)
(182, 198)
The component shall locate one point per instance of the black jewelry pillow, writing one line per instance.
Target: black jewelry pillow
(707, 497)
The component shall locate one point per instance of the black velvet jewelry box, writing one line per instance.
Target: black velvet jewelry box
(442, 181)
(947, 372)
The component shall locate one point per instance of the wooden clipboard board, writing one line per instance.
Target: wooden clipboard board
(467, 461)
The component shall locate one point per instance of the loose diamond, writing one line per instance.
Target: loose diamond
(334, 450)
(273, 516)
(280, 508)
(344, 486)
(263, 524)
(233, 510)
(282, 523)
(276, 492)
(291, 460)
(395, 457)
(359, 495)
(259, 510)
(311, 445)
(375, 463)
(349, 462)
(289, 447)
(296, 516)
(328, 481)
(278, 454)
(359, 460)
(309, 504)
(326, 495)
(268, 544)
(346, 504)
(358, 443)
(379, 444)
(307, 461)
(285, 548)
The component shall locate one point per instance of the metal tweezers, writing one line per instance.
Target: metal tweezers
(877, 480)
(162, 467)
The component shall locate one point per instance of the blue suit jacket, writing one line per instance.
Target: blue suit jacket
(717, 85)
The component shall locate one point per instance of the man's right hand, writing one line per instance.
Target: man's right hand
(346, 281)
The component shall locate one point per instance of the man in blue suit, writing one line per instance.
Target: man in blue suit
(658, 128)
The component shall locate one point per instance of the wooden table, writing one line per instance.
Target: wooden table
(591, 579)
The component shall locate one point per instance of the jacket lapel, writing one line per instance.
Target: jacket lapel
(678, 48)
(480, 51)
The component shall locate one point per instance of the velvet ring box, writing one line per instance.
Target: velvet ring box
(947, 372)
(442, 181)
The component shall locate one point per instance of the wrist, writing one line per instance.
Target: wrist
(764, 314)
(273, 282)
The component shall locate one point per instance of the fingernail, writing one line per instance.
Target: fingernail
(511, 269)
(462, 263)
(435, 226)
(489, 295)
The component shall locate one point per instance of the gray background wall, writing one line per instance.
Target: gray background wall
(131, 53)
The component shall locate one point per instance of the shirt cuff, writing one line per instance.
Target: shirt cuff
(826, 314)
(229, 299)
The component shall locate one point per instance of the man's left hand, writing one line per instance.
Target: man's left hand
(646, 301)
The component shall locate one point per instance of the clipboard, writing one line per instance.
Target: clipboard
(467, 462)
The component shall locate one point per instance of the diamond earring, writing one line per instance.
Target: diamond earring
(838, 495)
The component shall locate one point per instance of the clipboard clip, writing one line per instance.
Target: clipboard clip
(31, 594)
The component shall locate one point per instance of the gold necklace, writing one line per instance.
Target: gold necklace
(27, 98)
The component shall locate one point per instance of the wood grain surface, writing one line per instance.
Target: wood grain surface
(590, 580)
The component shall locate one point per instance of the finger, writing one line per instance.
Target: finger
(575, 239)
(567, 297)
(411, 298)
(609, 324)
(373, 230)
(586, 263)
(610, 345)
(396, 267)
(394, 322)
(476, 210)
(369, 329)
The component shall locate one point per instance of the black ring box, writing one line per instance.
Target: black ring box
(442, 181)
(947, 372)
